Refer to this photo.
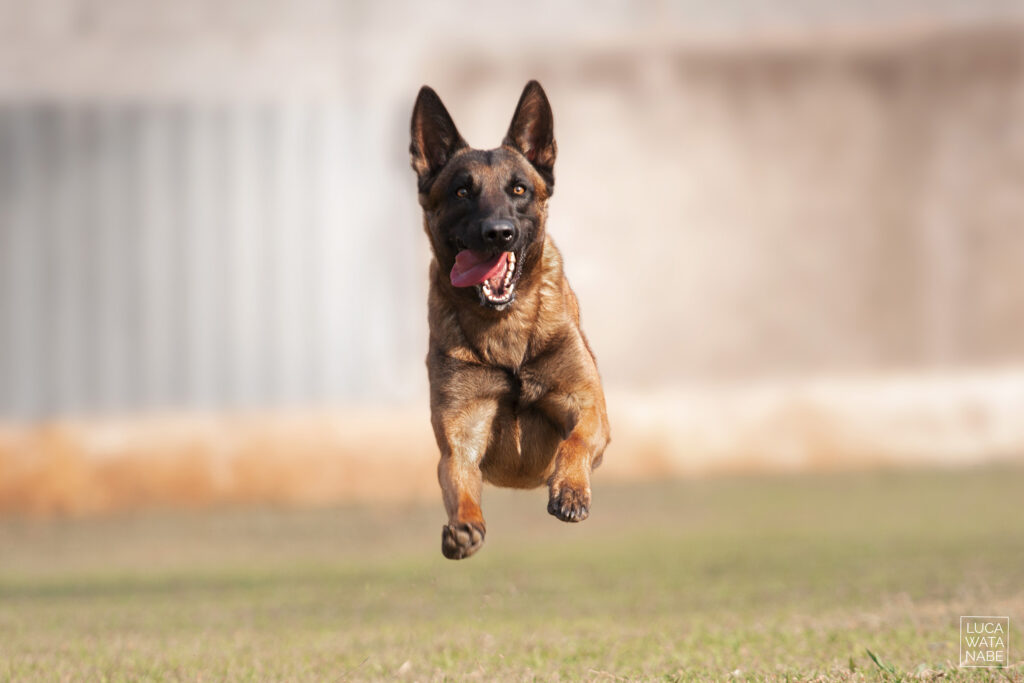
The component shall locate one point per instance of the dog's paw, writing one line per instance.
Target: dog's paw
(459, 541)
(569, 504)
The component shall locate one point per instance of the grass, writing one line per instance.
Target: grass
(839, 577)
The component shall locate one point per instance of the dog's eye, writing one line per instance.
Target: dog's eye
(519, 189)
(462, 192)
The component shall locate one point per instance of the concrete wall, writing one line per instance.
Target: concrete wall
(740, 194)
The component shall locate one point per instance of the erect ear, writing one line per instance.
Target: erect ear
(434, 136)
(532, 131)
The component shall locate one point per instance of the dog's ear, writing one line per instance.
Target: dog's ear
(434, 136)
(532, 131)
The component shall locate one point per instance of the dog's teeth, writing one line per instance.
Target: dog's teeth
(512, 257)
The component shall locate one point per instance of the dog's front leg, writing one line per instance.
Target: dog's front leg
(462, 432)
(584, 421)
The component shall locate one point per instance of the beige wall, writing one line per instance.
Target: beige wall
(738, 194)
(792, 203)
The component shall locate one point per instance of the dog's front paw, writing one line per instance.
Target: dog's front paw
(459, 541)
(569, 503)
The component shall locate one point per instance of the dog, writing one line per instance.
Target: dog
(515, 395)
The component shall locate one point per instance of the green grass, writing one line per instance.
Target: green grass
(853, 576)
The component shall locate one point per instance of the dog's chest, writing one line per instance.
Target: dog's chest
(503, 351)
(502, 344)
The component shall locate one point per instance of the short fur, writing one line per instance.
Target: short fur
(515, 395)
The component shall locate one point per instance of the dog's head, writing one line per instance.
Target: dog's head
(485, 209)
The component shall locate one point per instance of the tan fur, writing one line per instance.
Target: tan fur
(552, 428)
(515, 395)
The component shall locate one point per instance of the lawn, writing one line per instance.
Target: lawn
(779, 578)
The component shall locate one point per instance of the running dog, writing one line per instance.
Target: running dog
(515, 395)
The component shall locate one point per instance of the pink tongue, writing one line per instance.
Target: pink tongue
(471, 269)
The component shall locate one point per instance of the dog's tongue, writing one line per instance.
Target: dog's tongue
(472, 269)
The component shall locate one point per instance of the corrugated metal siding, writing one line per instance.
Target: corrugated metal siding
(167, 256)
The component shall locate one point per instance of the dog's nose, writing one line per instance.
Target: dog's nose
(498, 233)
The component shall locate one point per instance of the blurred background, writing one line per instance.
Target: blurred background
(796, 230)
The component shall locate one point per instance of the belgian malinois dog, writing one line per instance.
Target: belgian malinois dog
(515, 396)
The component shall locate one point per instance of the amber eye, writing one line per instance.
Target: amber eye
(462, 193)
(519, 190)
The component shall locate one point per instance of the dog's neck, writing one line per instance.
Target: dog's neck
(506, 339)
